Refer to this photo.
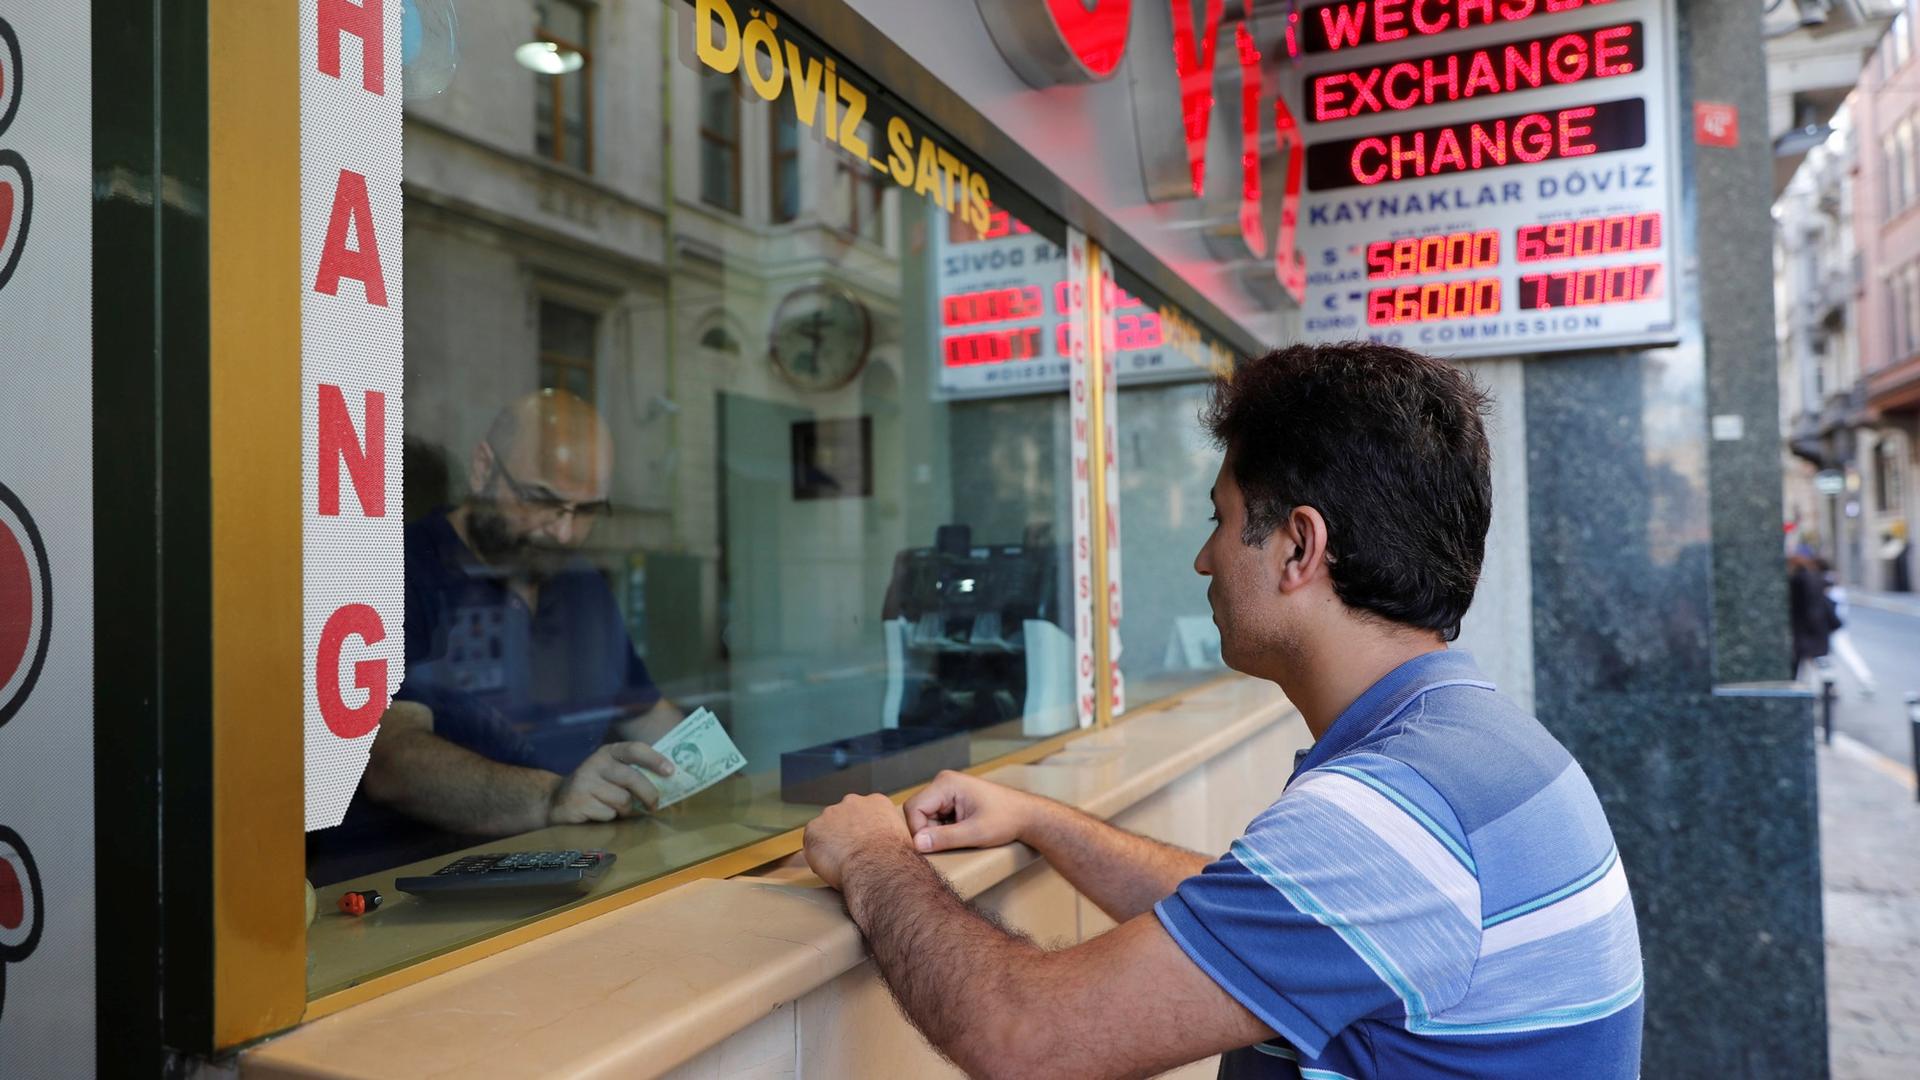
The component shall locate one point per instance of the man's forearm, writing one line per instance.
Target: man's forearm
(1122, 872)
(957, 975)
(448, 786)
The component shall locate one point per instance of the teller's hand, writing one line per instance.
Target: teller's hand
(607, 786)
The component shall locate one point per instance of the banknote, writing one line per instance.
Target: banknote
(702, 756)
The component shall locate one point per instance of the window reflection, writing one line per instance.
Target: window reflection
(679, 439)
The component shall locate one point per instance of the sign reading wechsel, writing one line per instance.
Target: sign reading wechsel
(350, 365)
(1487, 179)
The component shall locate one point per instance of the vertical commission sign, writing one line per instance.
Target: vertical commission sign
(1487, 177)
(350, 363)
(47, 877)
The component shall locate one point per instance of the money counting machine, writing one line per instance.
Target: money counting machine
(974, 640)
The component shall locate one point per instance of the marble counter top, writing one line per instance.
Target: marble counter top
(648, 986)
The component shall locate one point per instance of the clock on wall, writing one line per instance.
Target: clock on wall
(820, 337)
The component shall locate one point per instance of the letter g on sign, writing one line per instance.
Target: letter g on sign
(346, 721)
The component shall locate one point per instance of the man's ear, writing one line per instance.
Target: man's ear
(479, 468)
(1302, 544)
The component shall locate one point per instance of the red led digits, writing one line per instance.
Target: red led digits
(1434, 302)
(993, 347)
(1588, 236)
(1586, 288)
(1443, 78)
(1439, 253)
(1136, 332)
(992, 305)
(999, 223)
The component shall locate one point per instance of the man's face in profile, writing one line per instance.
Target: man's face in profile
(1241, 587)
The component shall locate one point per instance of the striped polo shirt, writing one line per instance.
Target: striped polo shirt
(1436, 893)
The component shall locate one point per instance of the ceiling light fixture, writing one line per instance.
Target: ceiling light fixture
(547, 58)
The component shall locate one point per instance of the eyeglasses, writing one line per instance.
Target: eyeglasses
(546, 502)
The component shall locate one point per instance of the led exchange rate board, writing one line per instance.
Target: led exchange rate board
(1489, 178)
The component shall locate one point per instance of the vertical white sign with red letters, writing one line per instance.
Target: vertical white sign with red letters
(1080, 419)
(1110, 467)
(350, 384)
(47, 872)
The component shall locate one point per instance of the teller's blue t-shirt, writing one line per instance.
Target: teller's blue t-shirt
(533, 688)
(536, 688)
(1436, 893)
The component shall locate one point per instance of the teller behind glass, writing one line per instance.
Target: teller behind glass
(525, 703)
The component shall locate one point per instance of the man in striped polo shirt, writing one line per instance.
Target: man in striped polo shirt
(1435, 891)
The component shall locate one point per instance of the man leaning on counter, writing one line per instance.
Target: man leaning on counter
(1435, 890)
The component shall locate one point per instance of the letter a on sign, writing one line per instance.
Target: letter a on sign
(351, 211)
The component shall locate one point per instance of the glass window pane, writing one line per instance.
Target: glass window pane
(720, 105)
(719, 176)
(1165, 464)
(544, 142)
(759, 480)
(567, 330)
(565, 20)
(574, 115)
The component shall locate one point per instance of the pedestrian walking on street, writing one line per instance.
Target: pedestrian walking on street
(1812, 613)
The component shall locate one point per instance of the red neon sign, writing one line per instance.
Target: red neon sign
(1350, 23)
(1288, 264)
(1588, 236)
(1097, 33)
(1586, 288)
(1193, 63)
(1478, 144)
(1444, 78)
(1434, 302)
(1251, 231)
(1440, 253)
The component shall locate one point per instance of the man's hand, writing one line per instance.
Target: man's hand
(857, 825)
(606, 786)
(961, 811)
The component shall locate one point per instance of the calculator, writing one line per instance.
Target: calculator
(511, 873)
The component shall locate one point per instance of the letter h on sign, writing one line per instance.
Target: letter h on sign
(365, 20)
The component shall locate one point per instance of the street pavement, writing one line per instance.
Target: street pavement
(1884, 633)
(1870, 870)
(1870, 843)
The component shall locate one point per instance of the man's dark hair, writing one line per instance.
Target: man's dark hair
(1389, 446)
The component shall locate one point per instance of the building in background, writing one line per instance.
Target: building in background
(1847, 288)
(1814, 51)
(1816, 314)
(1886, 216)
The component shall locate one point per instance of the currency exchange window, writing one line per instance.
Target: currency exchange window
(1166, 463)
(737, 478)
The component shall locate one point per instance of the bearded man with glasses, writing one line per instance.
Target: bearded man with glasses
(525, 704)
